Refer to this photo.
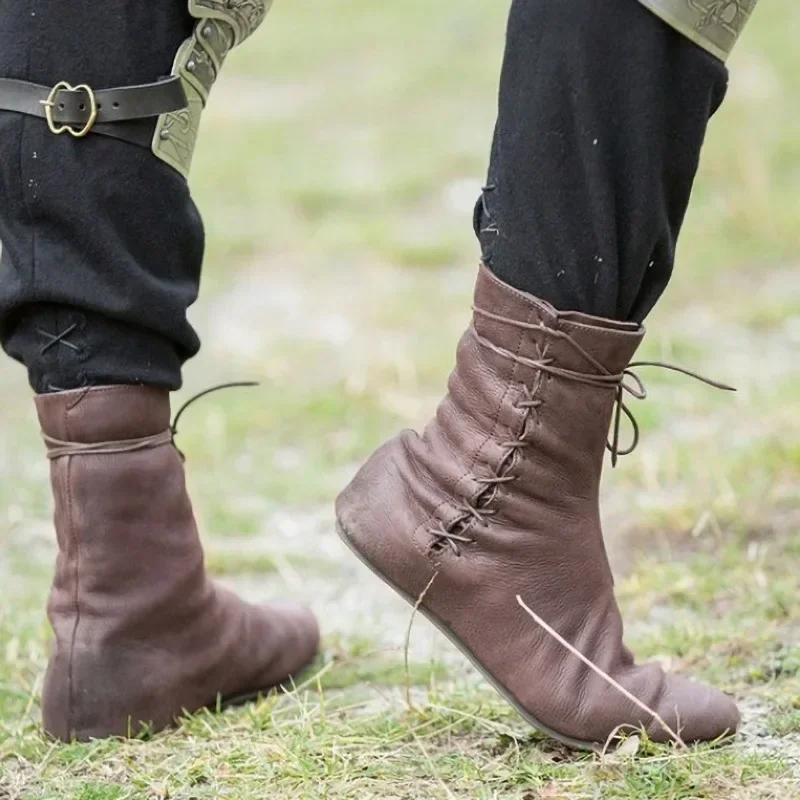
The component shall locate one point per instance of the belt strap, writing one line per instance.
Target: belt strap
(80, 110)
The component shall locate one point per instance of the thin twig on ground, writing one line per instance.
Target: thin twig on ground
(407, 644)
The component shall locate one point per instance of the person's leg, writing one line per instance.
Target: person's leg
(603, 109)
(602, 115)
(102, 244)
(102, 248)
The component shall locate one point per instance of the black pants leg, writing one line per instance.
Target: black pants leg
(102, 244)
(602, 114)
(603, 109)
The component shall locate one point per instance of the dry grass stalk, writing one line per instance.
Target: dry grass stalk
(407, 644)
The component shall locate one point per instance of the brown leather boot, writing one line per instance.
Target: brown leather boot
(141, 633)
(498, 498)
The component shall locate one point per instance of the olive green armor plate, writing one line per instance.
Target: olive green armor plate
(221, 26)
(713, 24)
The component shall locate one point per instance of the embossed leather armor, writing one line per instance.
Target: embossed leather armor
(221, 26)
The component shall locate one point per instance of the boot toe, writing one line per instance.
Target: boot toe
(699, 713)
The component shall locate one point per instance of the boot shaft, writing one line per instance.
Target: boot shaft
(531, 397)
(122, 514)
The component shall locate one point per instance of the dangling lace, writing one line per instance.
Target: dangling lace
(622, 383)
(59, 449)
(173, 428)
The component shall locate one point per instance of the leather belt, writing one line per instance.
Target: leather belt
(80, 110)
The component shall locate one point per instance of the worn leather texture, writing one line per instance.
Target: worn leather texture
(537, 531)
(141, 633)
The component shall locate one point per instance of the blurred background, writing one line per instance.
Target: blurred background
(340, 158)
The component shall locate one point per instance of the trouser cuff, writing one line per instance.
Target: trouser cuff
(64, 348)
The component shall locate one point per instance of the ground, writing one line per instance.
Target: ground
(339, 160)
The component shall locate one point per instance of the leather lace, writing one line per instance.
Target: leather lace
(620, 383)
(58, 449)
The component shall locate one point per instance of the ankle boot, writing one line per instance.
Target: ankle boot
(141, 633)
(498, 499)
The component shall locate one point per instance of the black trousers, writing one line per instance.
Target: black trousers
(602, 114)
(102, 244)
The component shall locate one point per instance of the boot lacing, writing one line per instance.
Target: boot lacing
(58, 449)
(626, 381)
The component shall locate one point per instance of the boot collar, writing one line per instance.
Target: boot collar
(104, 413)
(610, 343)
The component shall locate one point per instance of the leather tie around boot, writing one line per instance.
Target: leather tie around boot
(141, 633)
(498, 498)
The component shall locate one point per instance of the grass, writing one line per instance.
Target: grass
(336, 169)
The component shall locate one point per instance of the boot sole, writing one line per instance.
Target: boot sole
(575, 744)
(286, 686)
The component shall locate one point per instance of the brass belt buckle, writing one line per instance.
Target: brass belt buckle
(50, 104)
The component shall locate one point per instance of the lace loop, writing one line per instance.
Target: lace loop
(444, 534)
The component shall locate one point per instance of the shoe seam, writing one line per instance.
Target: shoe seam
(75, 544)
